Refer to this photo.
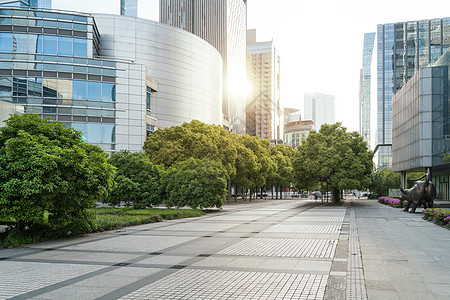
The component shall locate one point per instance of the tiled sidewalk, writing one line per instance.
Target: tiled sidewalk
(274, 249)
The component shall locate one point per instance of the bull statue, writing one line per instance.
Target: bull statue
(423, 192)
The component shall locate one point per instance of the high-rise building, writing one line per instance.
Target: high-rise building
(27, 3)
(114, 78)
(364, 95)
(128, 8)
(421, 125)
(264, 114)
(402, 49)
(319, 108)
(223, 24)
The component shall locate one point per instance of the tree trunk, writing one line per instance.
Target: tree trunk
(281, 192)
(272, 192)
(335, 195)
(229, 190)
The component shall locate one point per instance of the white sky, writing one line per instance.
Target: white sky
(320, 42)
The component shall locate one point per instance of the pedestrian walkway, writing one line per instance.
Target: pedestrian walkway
(273, 249)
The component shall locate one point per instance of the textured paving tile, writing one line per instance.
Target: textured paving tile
(304, 228)
(217, 284)
(317, 218)
(314, 248)
(21, 277)
(133, 243)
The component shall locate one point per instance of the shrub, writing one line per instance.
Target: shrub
(138, 180)
(438, 215)
(195, 183)
(48, 174)
(390, 201)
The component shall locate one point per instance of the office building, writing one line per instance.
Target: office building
(111, 77)
(402, 49)
(319, 108)
(421, 125)
(117, 7)
(264, 112)
(365, 86)
(223, 24)
(27, 3)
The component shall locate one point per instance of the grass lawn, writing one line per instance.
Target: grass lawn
(104, 218)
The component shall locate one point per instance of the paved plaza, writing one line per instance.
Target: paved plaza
(272, 249)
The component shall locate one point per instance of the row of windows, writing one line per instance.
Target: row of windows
(43, 14)
(60, 103)
(46, 44)
(57, 88)
(56, 67)
(44, 23)
(96, 133)
(60, 59)
(70, 111)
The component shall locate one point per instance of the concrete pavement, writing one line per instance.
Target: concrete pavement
(273, 249)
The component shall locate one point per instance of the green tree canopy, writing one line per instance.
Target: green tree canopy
(194, 139)
(138, 180)
(282, 157)
(333, 156)
(47, 168)
(195, 183)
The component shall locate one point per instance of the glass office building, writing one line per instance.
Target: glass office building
(27, 3)
(421, 125)
(128, 8)
(403, 48)
(47, 65)
(114, 87)
(365, 86)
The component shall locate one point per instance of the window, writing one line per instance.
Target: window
(79, 89)
(5, 42)
(148, 99)
(5, 86)
(79, 126)
(50, 44)
(94, 90)
(94, 133)
(108, 133)
(79, 47)
(64, 46)
(20, 43)
(108, 92)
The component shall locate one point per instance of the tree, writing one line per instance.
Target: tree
(333, 156)
(383, 180)
(283, 174)
(138, 180)
(265, 165)
(45, 168)
(196, 140)
(195, 183)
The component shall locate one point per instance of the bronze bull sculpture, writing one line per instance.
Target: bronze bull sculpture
(423, 192)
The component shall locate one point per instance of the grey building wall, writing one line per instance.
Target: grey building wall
(403, 48)
(365, 87)
(188, 69)
(320, 108)
(223, 24)
(418, 134)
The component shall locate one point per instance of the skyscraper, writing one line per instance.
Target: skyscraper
(223, 24)
(128, 8)
(364, 95)
(403, 48)
(264, 113)
(320, 109)
(27, 3)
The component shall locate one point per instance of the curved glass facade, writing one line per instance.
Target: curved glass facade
(48, 65)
